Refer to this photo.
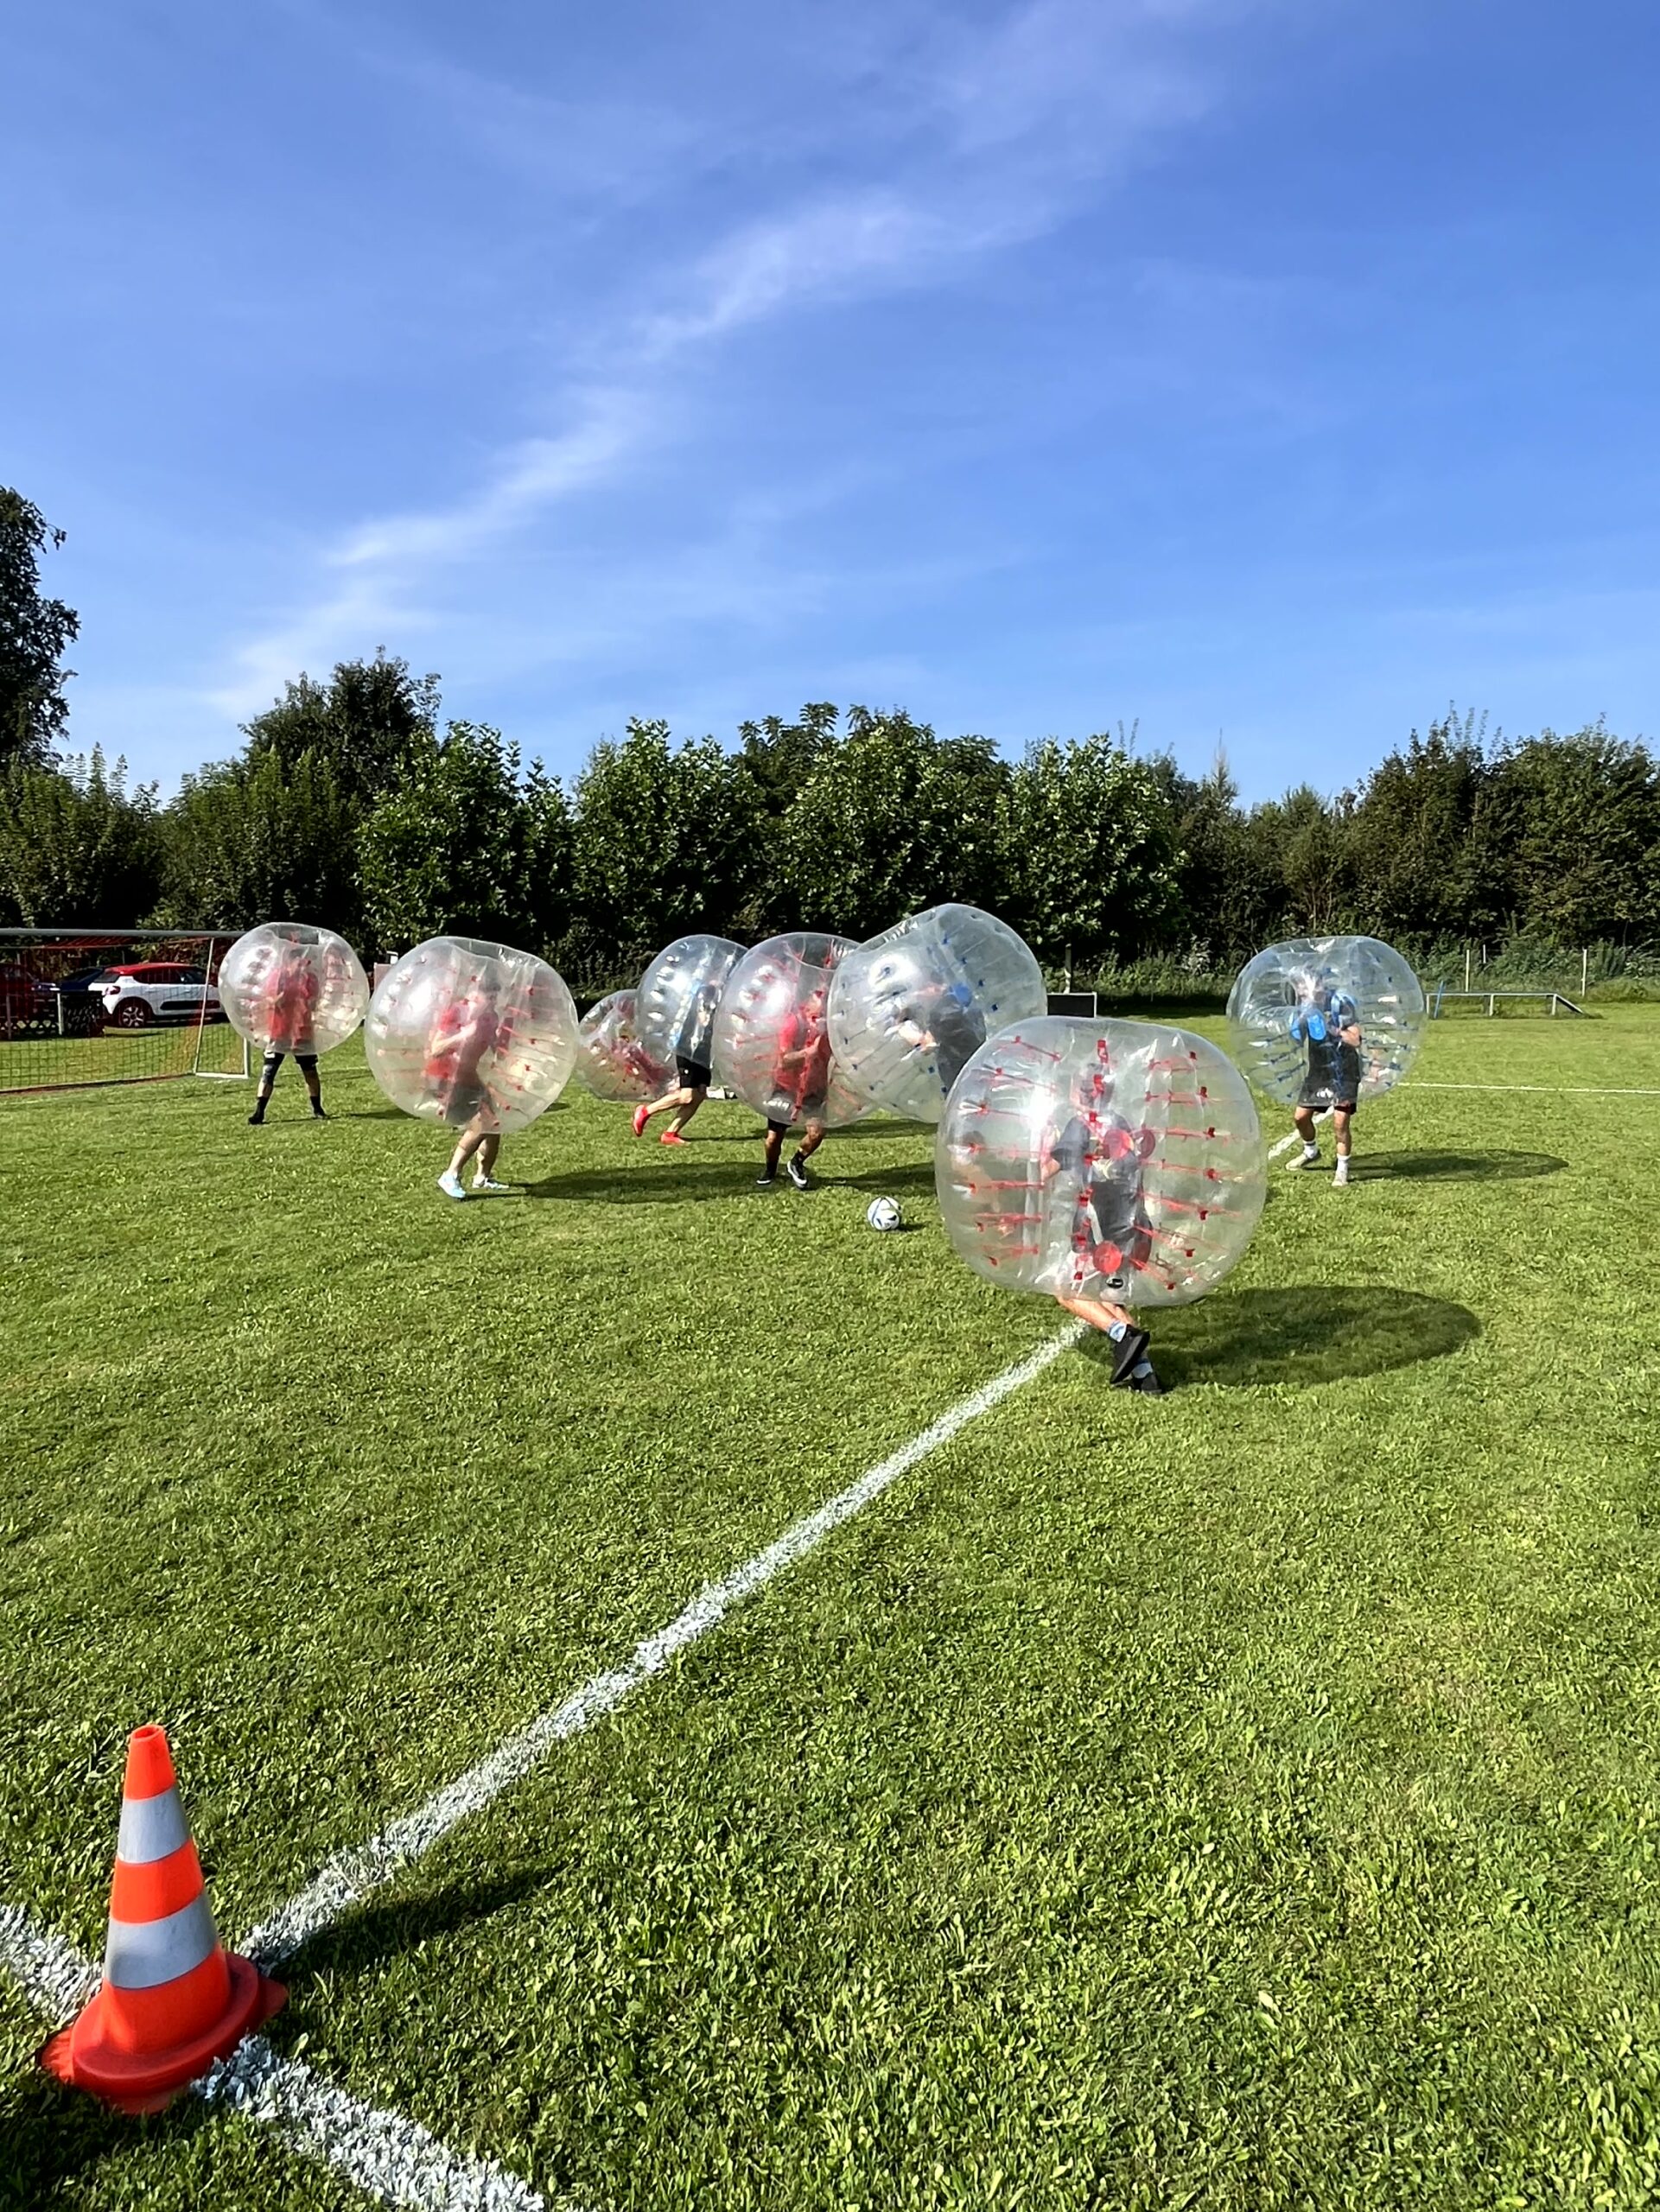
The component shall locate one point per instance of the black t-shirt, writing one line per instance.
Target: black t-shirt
(958, 1031)
(1114, 1186)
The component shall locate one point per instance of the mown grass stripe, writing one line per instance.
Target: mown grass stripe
(353, 1875)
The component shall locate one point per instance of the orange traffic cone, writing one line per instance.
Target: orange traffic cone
(171, 1999)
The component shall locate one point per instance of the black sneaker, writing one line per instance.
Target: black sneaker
(318, 1114)
(256, 1118)
(1146, 1383)
(1127, 1353)
(798, 1175)
(765, 1182)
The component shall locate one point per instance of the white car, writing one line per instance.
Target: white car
(147, 991)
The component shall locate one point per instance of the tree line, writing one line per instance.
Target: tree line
(352, 801)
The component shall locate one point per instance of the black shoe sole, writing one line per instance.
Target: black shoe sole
(1130, 1348)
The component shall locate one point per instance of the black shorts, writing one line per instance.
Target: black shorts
(274, 1059)
(464, 1103)
(1324, 1090)
(694, 1075)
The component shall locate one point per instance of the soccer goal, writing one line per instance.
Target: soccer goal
(82, 1006)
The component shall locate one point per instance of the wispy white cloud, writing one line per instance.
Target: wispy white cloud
(1007, 131)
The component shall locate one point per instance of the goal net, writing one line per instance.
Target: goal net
(86, 1006)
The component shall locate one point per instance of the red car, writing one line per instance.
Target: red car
(25, 1001)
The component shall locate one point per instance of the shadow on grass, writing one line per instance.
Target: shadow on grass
(895, 1132)
(1307, 1335)
(395, 1926)
(675, 1180)
(52, 2137)
(1455, 1167)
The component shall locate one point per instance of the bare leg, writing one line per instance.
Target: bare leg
(775, 1136)
(682, 1102)
(1131, 1368)
(1341, 1118)
(689, 1101)
(1100, 1312)
(471, 1139)
(268, 1068)
(1304, 1118)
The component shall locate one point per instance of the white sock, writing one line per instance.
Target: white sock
(1115, 1331)
(1310, 1149)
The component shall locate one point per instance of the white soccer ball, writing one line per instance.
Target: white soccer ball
(883, 1213)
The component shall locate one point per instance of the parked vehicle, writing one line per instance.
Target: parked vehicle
(25, 1002)
(77, 1002)
(137, 993)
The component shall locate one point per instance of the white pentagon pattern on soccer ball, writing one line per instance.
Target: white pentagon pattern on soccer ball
(1119, 1161)
(772, 1043)
(675, 1003)
(612, 1061)
(910, 1009)
(1278, 1007)
(289, 986)
(472, 1034)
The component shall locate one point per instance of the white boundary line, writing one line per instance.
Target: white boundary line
(1284, 1144)
(1544, 1089)
(350, 1875)
(391, 2157)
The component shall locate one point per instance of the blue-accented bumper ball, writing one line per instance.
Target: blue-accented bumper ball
(290, 987)
(772, 1039)
(610, 1059)
(1119, 1161)
(476, 1035)
(676, 998)
(1290, 1004)
(910, 1009)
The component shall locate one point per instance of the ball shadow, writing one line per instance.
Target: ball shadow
(1307, 1335)
(1455, 1167)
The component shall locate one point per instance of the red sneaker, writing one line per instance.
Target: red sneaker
(642, 1114)
(671, 1136)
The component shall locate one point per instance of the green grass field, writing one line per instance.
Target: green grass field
(1248, 1799)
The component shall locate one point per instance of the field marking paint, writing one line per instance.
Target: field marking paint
(388, 2156)
(1544, 1089)
(1284, 1144)
(351, 1875)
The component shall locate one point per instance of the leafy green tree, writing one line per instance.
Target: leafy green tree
(892, 818)
(781, 755)
(252, 841)
(1424, 861)
(35, 633)
(365, 722)
(1216, 904)
(664, 839)
(464, 846)
(1579, 823)
(75, 845)
(1088, 851)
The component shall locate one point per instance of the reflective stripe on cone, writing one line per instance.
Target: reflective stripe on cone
(171, 1999)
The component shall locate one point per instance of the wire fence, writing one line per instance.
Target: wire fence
(86, 1006)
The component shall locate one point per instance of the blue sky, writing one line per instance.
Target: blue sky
(1273, 368)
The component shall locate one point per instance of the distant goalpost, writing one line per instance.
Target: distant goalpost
(81, 1008)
